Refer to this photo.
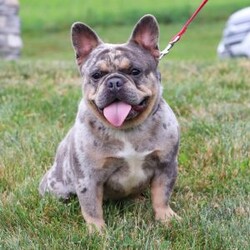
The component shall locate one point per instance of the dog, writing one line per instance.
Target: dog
(125, 137)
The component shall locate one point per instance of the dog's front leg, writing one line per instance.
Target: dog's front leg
(90, 195)
(161, 188)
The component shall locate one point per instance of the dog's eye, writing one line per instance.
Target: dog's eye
(97, 75)
(135, 72)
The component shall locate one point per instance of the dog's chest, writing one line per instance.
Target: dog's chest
(133, 174)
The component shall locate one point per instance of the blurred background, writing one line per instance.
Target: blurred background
(45, 24)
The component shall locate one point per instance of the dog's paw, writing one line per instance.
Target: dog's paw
(166, 214)
(96, 227)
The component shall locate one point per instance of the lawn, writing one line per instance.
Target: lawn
(38, 105)
(39, 95)
(46, 37)
(53, 15)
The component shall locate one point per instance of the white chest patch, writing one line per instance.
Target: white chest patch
(135, 161)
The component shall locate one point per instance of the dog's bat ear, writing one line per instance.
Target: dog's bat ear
(146, 35)
(84, 40)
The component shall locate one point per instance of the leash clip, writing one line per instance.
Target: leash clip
(177, 37)
(169, 46)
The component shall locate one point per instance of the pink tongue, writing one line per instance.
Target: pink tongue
(116, 113)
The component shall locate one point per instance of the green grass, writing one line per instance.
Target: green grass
(199, 43)
(57, 15)
(46, 36)
(38, 105)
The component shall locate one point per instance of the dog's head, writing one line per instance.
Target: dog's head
(121, 83)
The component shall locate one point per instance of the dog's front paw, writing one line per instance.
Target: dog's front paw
(166, 214)
(97, 226)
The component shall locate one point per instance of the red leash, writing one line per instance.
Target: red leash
(178, 36)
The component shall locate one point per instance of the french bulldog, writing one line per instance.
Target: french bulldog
(125, 137)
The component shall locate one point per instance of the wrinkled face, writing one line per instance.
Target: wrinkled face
(121, 83)
(120, 88)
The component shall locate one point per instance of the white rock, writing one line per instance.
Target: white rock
(14, 41)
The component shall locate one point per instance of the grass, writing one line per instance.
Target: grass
(199, 43)
(47, 36)
(38, 105)
(117, 12)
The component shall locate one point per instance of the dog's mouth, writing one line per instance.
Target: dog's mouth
(118, 111)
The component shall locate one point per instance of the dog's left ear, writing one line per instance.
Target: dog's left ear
(146, 35)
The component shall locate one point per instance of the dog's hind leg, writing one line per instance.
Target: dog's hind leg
(59, 178)
(43, 186)
(51, 184)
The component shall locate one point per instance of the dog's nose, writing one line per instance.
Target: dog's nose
(115, 83)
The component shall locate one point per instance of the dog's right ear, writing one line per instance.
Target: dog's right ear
(146, 35)
(84, 40)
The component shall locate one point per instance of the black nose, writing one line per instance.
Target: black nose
(115, 83)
